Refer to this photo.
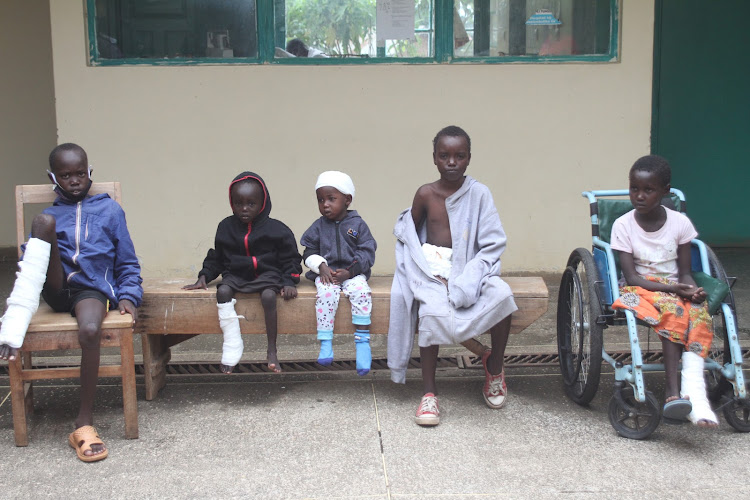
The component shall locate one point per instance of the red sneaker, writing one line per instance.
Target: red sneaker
(428, 412)
(494, 390)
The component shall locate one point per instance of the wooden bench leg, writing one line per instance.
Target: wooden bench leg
(18, 402)
(129, 399)
(155, 358)
(476, 347)
(28, 387)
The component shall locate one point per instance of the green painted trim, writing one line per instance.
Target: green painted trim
(266, 45)
(656, 77)
(614, 30)
(443, 39)
(443, 30)
(90, 21)
(600, 58)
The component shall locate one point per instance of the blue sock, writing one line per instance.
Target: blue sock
(364, 354)
(325, 357)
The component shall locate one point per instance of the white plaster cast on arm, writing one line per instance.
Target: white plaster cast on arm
(314, 262)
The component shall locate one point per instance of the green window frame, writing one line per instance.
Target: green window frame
(271, 34)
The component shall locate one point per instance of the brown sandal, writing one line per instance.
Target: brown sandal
(81, 440)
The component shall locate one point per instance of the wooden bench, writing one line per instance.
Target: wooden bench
(170, 315)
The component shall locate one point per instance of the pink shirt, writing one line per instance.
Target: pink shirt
(654, 254)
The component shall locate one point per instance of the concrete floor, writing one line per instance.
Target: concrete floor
(341, 436)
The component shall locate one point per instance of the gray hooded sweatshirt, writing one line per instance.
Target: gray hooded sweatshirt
(476, 298)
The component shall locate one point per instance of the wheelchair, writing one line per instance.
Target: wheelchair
(589, 286)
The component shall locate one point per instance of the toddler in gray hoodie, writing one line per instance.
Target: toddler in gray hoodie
(340, 251)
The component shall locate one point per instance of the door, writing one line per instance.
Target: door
(701, 111)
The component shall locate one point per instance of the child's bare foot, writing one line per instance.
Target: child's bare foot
(8, 353)
(273, 362)
(706, 424)
(226, 369)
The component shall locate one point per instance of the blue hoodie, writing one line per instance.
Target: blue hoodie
(95, 247)
(345, 244)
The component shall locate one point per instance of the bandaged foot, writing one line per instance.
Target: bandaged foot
(24, 299)
(694, 386)
(325, 357)
(364, 353)
(231, 350)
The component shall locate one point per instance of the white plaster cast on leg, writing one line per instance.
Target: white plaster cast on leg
(229, 322)
(694, 386)
(24, 299)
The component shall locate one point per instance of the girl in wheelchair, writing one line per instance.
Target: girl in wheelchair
(653, 243)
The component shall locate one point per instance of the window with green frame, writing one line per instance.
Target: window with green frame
(183, 32)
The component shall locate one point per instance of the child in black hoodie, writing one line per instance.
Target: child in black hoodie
(253, 253)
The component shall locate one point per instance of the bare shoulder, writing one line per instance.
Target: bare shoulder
(427, 191)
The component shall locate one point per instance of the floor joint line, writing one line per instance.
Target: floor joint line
(380, 439)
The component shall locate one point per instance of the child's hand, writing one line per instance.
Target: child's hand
(201, 283)
(126, 306)
(326, 276)
(699, 296)
(341, 275)
(684, 290)
(288, 292)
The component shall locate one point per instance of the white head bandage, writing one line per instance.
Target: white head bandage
(338, 180)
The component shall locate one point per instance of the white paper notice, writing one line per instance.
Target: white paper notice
(395, 20)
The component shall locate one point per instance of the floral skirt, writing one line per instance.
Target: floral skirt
(671, 316)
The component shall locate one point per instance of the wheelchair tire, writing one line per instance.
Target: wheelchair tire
(716, 385)
(579, 334)
(717, 271)
(632, 419)
(736, 411)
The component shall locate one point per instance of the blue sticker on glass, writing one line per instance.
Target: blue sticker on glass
(543, 17)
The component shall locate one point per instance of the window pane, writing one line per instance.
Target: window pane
(348, 28)
(158, 29)
(491, 28)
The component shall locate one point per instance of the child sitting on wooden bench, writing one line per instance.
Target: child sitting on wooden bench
(81, 259)
(253, 253)
(340, 252)
(447, 277)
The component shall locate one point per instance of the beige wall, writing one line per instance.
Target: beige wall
(27, 102)
(175, 137)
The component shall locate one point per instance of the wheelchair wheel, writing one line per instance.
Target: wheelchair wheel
(579, 336)
(717, 271)
(716, 385)
(632, 419)
(736, 411)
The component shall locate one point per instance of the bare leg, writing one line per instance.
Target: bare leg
(499, 337)
(672, 353)
(428, 357)
(268, 300)
(43, 228)
(90, 314)
(224, 294)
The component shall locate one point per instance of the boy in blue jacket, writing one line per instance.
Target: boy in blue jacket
(340, 251)
(81, 259)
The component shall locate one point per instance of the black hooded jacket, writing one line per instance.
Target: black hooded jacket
(247, 250)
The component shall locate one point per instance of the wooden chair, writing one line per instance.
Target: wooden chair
(51, 331)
